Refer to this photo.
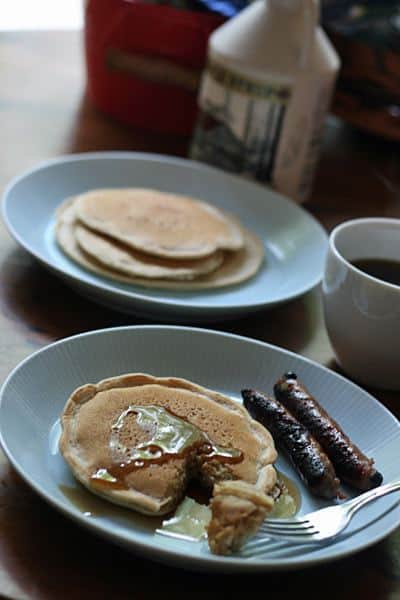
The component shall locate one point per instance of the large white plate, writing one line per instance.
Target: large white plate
(34, 394)
(295, 244)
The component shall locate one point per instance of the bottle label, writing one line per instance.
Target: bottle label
(240, 122)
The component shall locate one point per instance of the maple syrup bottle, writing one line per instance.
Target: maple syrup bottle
(264, 95)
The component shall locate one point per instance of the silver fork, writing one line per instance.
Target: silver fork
(316, 527)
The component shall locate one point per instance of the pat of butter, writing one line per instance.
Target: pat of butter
(189, 521)
(284, 507)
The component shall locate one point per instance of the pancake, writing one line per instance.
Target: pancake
(158, 223)
(236, 267)
(137, 440)
(118, 257)
(238, 509)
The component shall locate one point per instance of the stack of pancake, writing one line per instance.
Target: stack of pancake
(156, 239)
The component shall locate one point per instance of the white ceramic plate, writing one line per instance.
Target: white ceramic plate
(295, 244)
(34, 395)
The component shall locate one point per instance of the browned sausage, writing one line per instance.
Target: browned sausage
(305, 452)
(351, 465)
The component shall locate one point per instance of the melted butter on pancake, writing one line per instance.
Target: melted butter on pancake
(139, 440)
(169, 436)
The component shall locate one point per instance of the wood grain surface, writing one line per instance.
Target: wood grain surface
(44, 113)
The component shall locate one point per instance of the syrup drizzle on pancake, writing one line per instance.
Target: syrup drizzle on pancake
(170, 436)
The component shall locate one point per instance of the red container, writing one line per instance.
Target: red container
(144, 62)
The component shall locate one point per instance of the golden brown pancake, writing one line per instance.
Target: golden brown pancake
(158, 223)
(236, 267)
(116, 437)
(118, 257)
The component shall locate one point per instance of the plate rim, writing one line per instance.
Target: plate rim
(211, 563)
(154, 303)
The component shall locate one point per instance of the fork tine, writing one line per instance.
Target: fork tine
(286, 526)
(270, 530)
(291, 533)
(284, 530)
(258, 545)
(273, 545)
(286, 549)
(293, 520)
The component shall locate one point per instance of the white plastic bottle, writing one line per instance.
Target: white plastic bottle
(264, 95)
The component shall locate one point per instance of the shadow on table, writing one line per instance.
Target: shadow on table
(42, 303)
(44, 306)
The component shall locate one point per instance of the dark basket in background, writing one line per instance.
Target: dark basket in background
(367, 38)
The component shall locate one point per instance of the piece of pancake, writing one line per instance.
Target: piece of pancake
(105, 434)
(237, 511)
(158, 223)
(118, 257)
(236, 268)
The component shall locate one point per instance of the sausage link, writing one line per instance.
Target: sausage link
(305, 452)
(351, 465)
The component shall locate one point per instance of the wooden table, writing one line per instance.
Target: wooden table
(44, 113)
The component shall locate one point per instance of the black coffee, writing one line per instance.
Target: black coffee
(381, 268)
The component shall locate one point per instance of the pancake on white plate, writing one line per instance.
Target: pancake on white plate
(138, 440)
(159, 223)
(236, 266)
(119, 257)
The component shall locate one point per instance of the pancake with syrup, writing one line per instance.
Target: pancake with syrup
(138, 440)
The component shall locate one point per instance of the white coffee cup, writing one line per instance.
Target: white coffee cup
(362, 313)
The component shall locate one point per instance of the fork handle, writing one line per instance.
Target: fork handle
(356, 503)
